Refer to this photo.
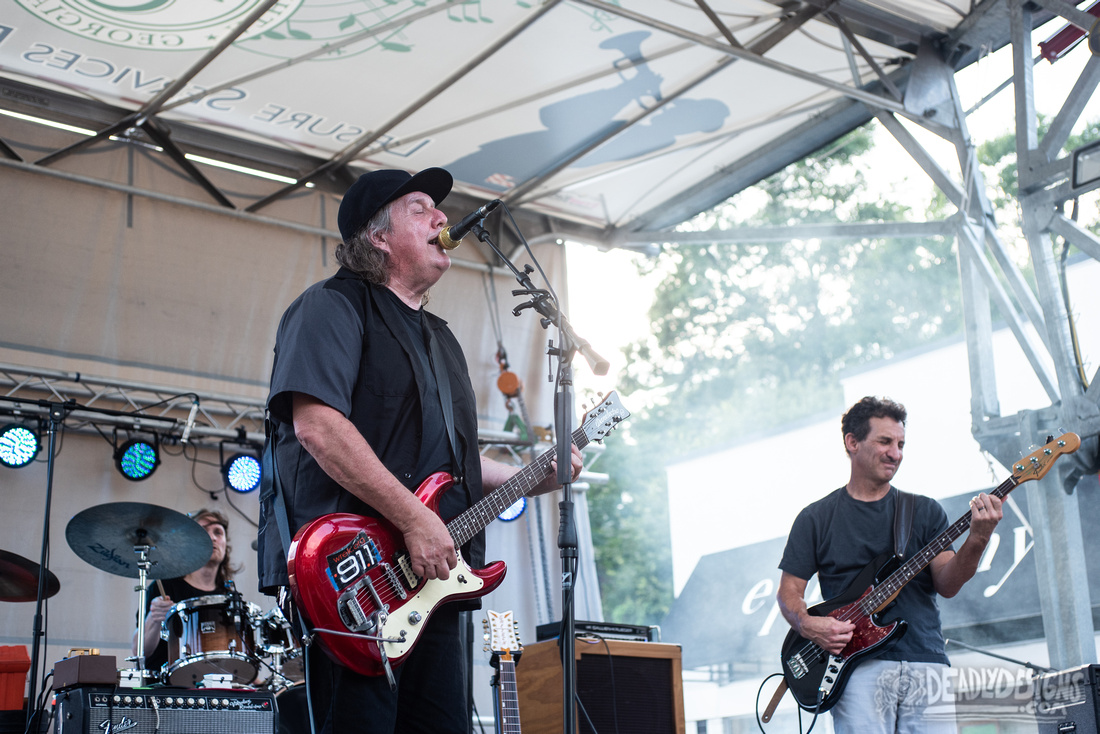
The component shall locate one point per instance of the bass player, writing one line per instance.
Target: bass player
(358, 390)
(839, 535)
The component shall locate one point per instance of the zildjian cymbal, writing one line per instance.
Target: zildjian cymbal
(106, 537)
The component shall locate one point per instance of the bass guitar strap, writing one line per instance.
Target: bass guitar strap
(903, 520)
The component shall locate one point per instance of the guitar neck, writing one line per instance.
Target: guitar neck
(509, 697)
(905, 573)
(484, 511)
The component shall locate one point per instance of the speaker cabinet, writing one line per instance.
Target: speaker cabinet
(1067, 702)
(165, 711)
(637, 685)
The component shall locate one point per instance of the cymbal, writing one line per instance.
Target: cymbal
(105, 536)
(19, 579)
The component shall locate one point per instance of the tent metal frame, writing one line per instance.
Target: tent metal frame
(923, 93)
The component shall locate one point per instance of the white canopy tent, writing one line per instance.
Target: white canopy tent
(135, 256)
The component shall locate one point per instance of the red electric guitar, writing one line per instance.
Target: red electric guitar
(352, 576)
(817, 678)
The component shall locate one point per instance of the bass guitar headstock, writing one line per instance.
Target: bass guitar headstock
(1036, 464)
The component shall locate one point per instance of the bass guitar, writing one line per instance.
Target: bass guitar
(817, 678)
(352, 575)
(503, 643)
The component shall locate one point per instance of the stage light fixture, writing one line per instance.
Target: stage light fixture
(18, 445)
(137, 459)
(242, 472)
(1085, 166)
(514, 510)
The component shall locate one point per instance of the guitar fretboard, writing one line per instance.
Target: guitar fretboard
(916, 564)
(509, 698)
(484, 511)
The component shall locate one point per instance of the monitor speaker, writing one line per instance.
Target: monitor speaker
(166, 711)
(622, 686)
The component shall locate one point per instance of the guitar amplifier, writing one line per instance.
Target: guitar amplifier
(164, 711)
(607, 630)
(1068, 701)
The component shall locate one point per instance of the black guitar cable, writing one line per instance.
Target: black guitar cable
(759, 723)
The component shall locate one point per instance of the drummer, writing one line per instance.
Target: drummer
(208, 579)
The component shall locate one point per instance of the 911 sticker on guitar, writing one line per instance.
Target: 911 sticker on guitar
(351, 563)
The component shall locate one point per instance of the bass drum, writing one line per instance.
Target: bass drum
(293, 710)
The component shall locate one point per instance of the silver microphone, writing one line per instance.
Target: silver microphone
(190, 421)
(450, 237)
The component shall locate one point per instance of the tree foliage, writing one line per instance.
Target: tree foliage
(751, 335)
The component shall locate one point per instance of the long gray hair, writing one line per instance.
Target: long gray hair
(359, 253)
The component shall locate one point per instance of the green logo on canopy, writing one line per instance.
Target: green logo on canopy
(158, 25)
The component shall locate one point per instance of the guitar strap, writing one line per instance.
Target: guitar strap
(443, 386)
(903, 520)
(270, 468)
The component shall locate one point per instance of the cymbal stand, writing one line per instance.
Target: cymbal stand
(143, 565)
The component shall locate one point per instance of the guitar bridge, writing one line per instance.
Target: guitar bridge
(797, 666)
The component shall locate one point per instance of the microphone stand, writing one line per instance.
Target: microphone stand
(57, 413)
(570, 344)
(1039, 669)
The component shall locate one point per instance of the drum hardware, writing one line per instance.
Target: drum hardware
(168, 544)
(278, 643)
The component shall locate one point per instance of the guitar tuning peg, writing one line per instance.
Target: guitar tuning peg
(485, 637)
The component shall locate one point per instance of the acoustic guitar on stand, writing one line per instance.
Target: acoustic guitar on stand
(352, 576)
(817, 678)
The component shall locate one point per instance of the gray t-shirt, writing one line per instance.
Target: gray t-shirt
(837, 536)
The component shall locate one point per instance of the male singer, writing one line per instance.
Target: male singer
(356, 396)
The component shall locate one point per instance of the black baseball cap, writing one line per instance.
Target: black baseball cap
(374, 190)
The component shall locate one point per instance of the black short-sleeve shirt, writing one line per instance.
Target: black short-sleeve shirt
(837, 536)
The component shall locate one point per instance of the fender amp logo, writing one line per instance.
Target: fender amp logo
(165, 25)
(108, 728)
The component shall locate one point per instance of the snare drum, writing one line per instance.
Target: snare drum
(278, 641)
(210, 635)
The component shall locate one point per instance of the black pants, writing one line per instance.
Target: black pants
(430, 696)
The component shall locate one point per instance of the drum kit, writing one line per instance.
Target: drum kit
(216, 640)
